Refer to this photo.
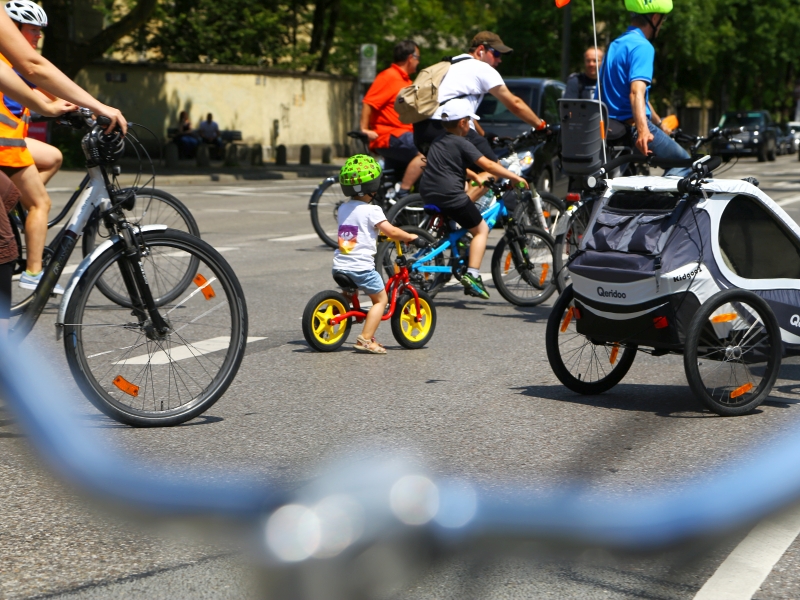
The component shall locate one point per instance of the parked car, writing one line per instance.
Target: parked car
(542, 96)
(787, 141)
(759, 138)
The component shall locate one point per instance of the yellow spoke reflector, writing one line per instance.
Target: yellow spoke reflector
(741, 390)
(545, 269)
(724, 318)
(202, 283)
(126, 386)
(567, 319)
(507, 266)
(614, 353)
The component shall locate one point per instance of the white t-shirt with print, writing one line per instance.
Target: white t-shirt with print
(358, 236)
(472, 77)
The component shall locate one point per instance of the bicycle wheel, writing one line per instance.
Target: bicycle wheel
(567, 243)
(553, 209)
(431, 283)
(523, 273)
(413, 329)
(319, 333)
(580, 364)
(408, 211)
(152, 207)
(733, 352)
(143, 378)
(324, 207)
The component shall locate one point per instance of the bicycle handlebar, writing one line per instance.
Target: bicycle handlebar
(465, 514)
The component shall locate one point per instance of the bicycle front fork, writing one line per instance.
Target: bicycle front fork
(135, 279)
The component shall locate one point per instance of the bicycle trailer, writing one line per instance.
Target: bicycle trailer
(712, 275)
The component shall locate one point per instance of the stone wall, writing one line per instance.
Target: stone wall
(269, 106)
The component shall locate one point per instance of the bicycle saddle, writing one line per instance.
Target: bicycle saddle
(344, 281)
(431, 209)
(616, 130)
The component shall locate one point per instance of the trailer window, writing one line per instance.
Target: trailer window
(755, 244)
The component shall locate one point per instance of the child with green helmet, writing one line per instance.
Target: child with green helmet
(360, 223)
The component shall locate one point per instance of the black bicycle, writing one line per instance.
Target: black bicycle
(154, 319)
(327, 198)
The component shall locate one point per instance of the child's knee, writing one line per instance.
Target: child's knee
(379, 298)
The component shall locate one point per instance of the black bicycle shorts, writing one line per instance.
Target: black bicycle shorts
(467, 215)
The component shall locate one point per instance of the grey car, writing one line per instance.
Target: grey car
(542, 96)
(759, 138)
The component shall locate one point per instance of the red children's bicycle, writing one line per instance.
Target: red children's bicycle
(328, 315)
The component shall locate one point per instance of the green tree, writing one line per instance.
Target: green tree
(71, 53)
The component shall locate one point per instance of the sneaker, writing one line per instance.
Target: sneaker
(474, 286)
(31, 282)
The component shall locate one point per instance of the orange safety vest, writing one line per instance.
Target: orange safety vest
(13, 149)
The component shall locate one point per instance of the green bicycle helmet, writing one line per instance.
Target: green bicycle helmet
(361, 174)
(648, 7)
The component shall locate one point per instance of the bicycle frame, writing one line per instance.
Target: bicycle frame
(491, 215)
(399, 281)
(91, 196)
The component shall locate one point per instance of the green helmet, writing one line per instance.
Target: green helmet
(647, 7)
(361, 174)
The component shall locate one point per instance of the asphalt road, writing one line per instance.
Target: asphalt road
(479, 402)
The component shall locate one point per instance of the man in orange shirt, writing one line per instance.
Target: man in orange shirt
(388, 136)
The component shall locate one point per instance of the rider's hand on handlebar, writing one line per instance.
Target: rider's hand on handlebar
(520, 182)
(115, 116)
(371, 135)
(58, 107)
(420, 242)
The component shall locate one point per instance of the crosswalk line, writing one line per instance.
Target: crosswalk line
(183, 352)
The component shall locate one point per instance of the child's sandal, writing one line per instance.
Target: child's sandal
(371, 346)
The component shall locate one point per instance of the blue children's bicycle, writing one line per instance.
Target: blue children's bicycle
(522, 262)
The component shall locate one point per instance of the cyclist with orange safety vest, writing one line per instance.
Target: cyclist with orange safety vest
(29, 163)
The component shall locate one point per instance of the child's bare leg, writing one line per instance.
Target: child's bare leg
(37, 202)
(379, 302)
(477, 247)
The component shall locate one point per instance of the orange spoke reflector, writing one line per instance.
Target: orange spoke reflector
(126, 386)
(207, 290)
(508, 263)
(567, 319)
(545, 269)
(614, 353)
(741, 390)
(724, 318)
(546, 214)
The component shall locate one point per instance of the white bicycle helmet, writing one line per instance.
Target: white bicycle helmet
(26, 12)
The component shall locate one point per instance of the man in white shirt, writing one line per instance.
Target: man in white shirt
(471, 76)
(209, 132)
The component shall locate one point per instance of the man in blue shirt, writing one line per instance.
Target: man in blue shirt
(625, 79)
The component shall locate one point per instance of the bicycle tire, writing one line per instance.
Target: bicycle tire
(529, 286)
(321, 335)
(408, 211)
(553, 207)
(409, 332)
(167, 210)
(432, 283)
(728, 384)
(180, 374)
(324, 209)
(562, 339)
(152, 207)
(566, 243)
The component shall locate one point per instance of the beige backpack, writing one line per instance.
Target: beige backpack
(419, 101)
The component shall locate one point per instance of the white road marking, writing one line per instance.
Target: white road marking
(742, 573)
(789, 200)
(177, 353)
(221, 210)
(297, 238)
(273, 212)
